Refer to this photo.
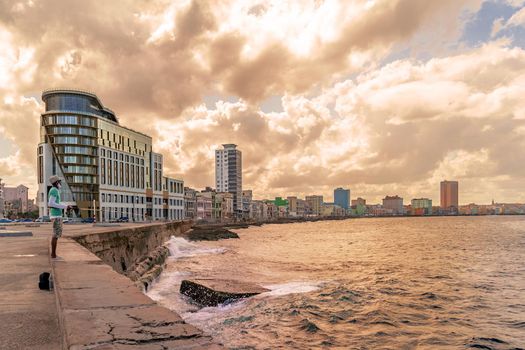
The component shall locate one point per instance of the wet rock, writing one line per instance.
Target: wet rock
(212, 292)
(230, 321)
(309, 326)
(146, 270)
(210, 234)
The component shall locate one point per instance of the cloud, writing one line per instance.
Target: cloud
(516, 20)
(402, 127)
(347, 117)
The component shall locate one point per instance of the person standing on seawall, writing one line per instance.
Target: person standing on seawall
(55, 212)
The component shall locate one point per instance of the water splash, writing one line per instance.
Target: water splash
(181, 248)
(291, 288)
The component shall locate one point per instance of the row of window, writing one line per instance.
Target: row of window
(123, 157)
(83, 179)
(175, 187)
(133, 214)
(77, 160)
(78, 169)
(75, 140)
(178, 202)
(140, 214)
(72, 130)
(69, 102)
(115, 173)
(75, 150)
(129, 199)
(70, 120)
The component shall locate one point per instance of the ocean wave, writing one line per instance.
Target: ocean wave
(181, 248)
(291, 288)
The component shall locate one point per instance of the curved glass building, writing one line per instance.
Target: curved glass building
(109, 171)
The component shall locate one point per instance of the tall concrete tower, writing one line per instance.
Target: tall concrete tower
(449, 194)
(228, 173)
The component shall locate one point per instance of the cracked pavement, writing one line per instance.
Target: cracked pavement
(102, 309)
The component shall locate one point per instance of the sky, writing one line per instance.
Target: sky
(383, 97)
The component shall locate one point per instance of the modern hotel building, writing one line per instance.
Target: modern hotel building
(109, 171)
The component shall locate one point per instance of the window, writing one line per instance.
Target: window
(110, 173)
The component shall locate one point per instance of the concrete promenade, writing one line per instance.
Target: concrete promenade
(28, 316)
(93, 306)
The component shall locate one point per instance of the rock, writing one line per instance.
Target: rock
(308, 326)
(212, 292)
(210, 234)
(149, 268)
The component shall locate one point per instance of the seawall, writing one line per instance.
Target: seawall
(136, 252)
(100, 308)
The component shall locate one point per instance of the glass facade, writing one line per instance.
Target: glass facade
(82, 102)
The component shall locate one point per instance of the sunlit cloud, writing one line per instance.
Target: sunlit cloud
(380, 96)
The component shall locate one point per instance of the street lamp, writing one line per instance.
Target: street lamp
(135, 199)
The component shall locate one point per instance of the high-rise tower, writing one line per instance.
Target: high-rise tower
(228, 173)
(449, 194)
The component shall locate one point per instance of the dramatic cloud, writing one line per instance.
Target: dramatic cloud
(362, 104)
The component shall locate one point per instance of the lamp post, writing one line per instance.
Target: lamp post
(133, 200)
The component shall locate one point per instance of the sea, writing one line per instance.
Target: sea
(371, 283)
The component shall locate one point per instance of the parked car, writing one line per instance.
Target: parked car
(88, 220)
(123, 219)
(26, 220)
(5, 221)
(44, 218)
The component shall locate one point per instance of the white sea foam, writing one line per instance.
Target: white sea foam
(181, 248)
(291, 288)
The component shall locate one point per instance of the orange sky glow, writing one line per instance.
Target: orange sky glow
(379, 96)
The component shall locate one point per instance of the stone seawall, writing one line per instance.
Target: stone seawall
(138, 252)
(99, 308)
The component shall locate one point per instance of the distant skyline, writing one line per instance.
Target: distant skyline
(382, 97)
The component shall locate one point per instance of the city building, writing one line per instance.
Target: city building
(272, 211)
(332, 209)
(247, 197)
(378, 210)
(228, 174)
(173, 199)
(204, 206)
(358, 209)
(393, 204)
(190, 203)
(359, 201)
(342, 198)
(314, 204)
(421, 206)
(16, 199)
(2, 207)
(257, 210)
(226, 201)
(109, 171)
(449, 195)
(296, 207)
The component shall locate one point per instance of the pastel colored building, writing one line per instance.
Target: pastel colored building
(393, 205)
(425, 204)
